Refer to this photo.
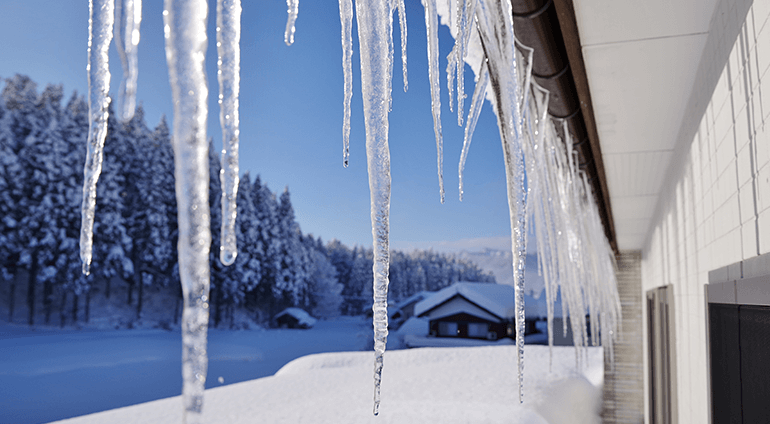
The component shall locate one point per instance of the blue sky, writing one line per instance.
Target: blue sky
(291, 116)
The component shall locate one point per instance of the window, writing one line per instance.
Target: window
(478, 329)
(448, 329)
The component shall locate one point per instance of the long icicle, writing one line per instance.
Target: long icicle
(186, 42)
(292, 10)
(479, 93)
(431, 24)
(451, 67)
(102, 18)
(402, 27)
(228, 73)
(496, 30)
(128, 17)
(346, 22)
(375, 40)
(459, 59)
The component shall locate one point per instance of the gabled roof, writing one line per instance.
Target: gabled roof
(497, 299)
(300, 315)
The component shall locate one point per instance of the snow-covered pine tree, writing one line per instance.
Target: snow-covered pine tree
(30, 119)
(11, 169)
(114, 200)
(147, 186)
(219, 272)
(263, 299)
(324, 291)
(70, 155)
(358, 291)
(291, 281)
(342, 258)
(248, 264)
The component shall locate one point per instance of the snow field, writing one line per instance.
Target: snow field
(446, 385)
(49, 374)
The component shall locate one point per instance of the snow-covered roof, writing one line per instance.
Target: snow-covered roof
(495, 298)
(413, 299)
(498, 299)
(302, 317)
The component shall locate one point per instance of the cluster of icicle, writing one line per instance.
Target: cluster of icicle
(574, 254)
(485, 22)
(574, 257)
(186, 43)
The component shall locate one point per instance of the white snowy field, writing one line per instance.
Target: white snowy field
(49, 374)
(430, 385)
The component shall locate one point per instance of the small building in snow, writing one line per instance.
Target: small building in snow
(471, 310)
(294, 318)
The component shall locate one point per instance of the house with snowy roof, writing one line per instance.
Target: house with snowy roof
(471, 310)
(294, 318)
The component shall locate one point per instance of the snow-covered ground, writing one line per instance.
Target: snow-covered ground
(53, 374)
(50, 374)
(430, 385)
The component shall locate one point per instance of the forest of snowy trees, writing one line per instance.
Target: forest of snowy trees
(42, 144)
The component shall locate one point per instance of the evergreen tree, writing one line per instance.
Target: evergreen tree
(291, 278)
(325, 291)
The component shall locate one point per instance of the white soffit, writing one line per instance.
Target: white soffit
(641, 59)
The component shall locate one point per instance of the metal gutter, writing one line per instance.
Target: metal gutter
(550, 28)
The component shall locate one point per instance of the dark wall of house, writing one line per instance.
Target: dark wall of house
(495, 330)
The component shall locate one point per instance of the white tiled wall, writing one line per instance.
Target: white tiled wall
(717, 212)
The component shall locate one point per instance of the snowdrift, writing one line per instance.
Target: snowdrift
(458, 385)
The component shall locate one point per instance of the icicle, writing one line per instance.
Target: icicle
(431, 24)
(477, 102)
(459, 63)
(186, 41)
(402, 26)
(393, 6)
(228, 73)
(375, 40)
(293, 10)
(496, 30)
(451, 67)
(466, 9)
(99, 37)
(128, 20)
(346, 21)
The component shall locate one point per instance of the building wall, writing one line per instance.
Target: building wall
(716, 206)
(623, 391)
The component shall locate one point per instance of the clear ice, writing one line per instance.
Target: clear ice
(431, 25)
(186, 42)
(495, 27)
(102, 17)
(473, 117)
(402, 28)
(375, 38)
(573, 254)
(346, 22)
(292, 10)
(228, 73)
(128, 17)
